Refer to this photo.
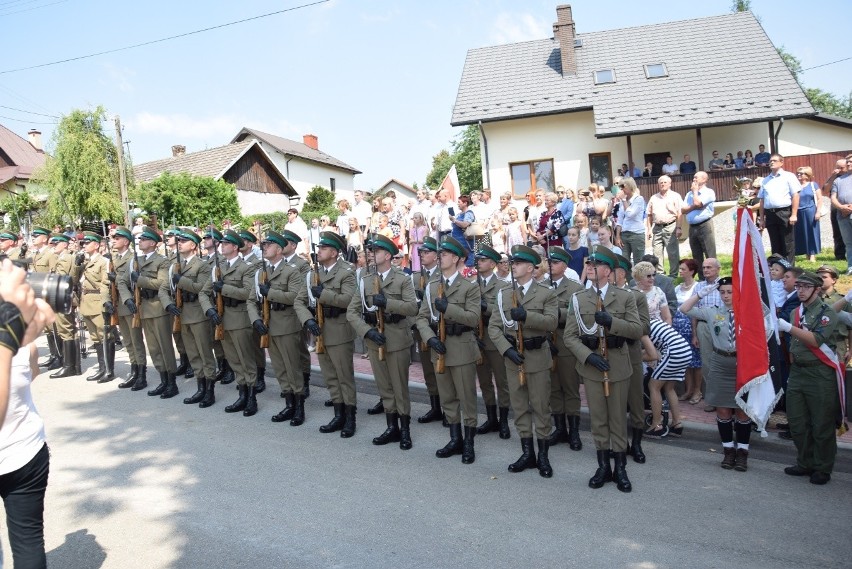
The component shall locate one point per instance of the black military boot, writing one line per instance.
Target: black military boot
(99, 352)
(131, 379)
(455, 445)
(69, 347)
(209, 395)
(307, 390)
(434, 413)
(505, 433)
(287, 413)
(171, 387)
(405, 432)
(391, 434)
(620, 472)
(337, 423)
(260, 381)
(527, 458)
(54, 352)
(559, 434)
(241, 402)
(184, 363)
(220, 369)
(636, 446)
(199, 394)
(468, 454)
(328, 403)
(227, 373)
(544, 468)
(574, 442)
(491, 424)
(78, 358)
(299, 410)
(604, 472)
(348, 429)
(109, 360)
(141, 379)
(251, 403)
(164, 382)
(376, 409)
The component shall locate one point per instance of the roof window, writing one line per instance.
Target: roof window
(604, 76)
(656, 70)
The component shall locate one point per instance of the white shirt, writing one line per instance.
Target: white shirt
(669, 169)
(451, 279)
(22, 434)
(362, 212)
(441, 214)
(777, 190)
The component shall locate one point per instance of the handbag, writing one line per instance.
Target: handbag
(475, 230)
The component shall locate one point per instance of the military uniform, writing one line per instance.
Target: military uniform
(65, 323)
(303, 267)
(420, 280)
(94, 294)
(122, 264)
(171, 253)
(255, 263)
(224, 373)
(44, 261)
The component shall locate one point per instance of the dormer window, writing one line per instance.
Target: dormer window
(656, 70)
(604, 76)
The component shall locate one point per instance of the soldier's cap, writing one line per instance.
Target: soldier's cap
(122, 231)
(171, 231)
(6, 235)
(810, 278)
(213, 234)
(729, 281)
(623, 263)
(332, 239)
(486, 252)
(429, 244)
(148, 233)
(383, 242)
(828, 269)
(525, 254)
(275, 237)
(248, 236)
(91, 236)
(453, 246)
(603, 255)
(559, 254)
(59, 237)
(232, 236)
(40, 231)
(291, 237)
(785, 264)
(188, 235)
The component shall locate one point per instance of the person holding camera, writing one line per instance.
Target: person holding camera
(95, 302)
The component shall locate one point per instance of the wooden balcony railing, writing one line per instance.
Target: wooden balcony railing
(722, 181)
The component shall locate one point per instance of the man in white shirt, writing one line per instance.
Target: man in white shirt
(362, 210)
(670, 168)
(779, 204)
(441, 223)
(297, 225)
(663, 223)
(631, 219)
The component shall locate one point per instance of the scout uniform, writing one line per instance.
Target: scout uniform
(303, 267)
(420, 280)
(493, 365)
(171, 253)
(336, 289)
(564, 380)
(607, 412)
(65, 322)
(133, 340)
(457, 383)
(254, 262)
(391, 371)
(537, 315)
(830, 298)
(94, 294)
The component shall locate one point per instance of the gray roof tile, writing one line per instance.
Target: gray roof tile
(294, 148)
(212, 162)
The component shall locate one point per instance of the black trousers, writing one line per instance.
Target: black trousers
(23, 496)
(781, 233)
(839, 246)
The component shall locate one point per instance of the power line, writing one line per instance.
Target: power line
(28, 112)
(827, 64)
(30, 8)
(165, 39)
(25, 121)
(24, 99)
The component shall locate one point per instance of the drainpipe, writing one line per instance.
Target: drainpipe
(775, 134)
(487, 162)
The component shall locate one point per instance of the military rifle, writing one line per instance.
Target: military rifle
(519, 333)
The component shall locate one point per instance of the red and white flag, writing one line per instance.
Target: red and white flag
(753, 377)
(451, 184)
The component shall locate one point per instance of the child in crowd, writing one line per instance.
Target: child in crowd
(578, 252)
(498, 236)
(581, 222)
(516, 231)
(605, 239)
(592, 237)
(777, 267)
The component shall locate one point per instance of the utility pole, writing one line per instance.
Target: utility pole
(122, 176)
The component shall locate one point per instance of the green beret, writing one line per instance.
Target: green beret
(525, 254)
(40, 231)
(486, 252)
(122, 231)
(810, 278)
(232, 236)
(383, 242)
(248, 236)
(429, 244)
(189, 235)
(59, 237)
(290, 236)
(601, 254)
(213, 233)
(277, 238)
(453, 246)
(7, 235)
(148, 233)
(623, 263)
(332, 239)
(559, 254)
(91, 236)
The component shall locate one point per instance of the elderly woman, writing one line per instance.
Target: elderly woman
(658, 307)
(549, 223)
(807, 227)
(672, 355)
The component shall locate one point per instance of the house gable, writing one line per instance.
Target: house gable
(255, 172)
(295, 149)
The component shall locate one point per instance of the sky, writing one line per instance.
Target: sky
(374, 80)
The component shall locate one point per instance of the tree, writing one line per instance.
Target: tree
(189, 200)
(319, 202)
(467, 158)
(829, 103)
(19, 206)
(793, 63)
(81, 174)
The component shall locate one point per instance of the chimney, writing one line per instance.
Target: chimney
(563, 31)
(35, 139)
(178, 150)
(311, 140)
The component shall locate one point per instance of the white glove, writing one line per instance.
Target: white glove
(706, 291)
(848, 296)
(784, 326)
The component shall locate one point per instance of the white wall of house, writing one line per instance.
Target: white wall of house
(400, 190)
(256, 202)
(804, 136)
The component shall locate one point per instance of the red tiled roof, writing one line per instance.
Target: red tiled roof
(22, 154)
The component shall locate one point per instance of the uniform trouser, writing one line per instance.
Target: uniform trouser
(158, 337)
(240, 355)
(530, 402)
(636, 397)
(284, 353)
(95, 326)
(663, 237)
(428, 370)
(392, 378)
(133, 341)
(565, 386)
(259, 353)
(633, 245)
(457, 390)
(304, 355)
(608, 414)
(702, 241)
(339, 372)
(812, 405)
(65, 326)
(197, 343)
(178, 338)
(218, 351)
(493, 370)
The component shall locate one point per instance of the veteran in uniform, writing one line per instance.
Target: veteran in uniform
(300, 263)
(428, 252)
(65, 323)
(332, 295)
(528, 367)
(606, 379)
(44, 261)
(122, 264)
(95, 303)
(388, 295)
(248, 255)
(224, 372)
(457, 301)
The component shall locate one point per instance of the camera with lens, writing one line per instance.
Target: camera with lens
(52, 288)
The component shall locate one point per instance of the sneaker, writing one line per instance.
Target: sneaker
(676, 430)
(658, 433)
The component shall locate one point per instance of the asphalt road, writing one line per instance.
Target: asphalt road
(137, 481)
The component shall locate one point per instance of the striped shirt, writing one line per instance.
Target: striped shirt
(675, 352)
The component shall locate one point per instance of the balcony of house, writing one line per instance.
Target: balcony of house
(723, 182)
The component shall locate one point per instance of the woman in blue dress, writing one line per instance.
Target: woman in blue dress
(460, 222)
(807, 227)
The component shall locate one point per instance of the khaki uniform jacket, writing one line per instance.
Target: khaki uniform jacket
(122, 264)
(285, 282)
(489, 292)
(195, 279)
(239, 285)
(153, 272)
(564, 291)
(64, 263)
(399, 292)
(299, 263)
(542, 315)
(621, 304)
(418, 291)
(339, 288)
(94, 285)
(44, 260)
(463, 297)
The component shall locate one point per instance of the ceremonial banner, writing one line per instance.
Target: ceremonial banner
(451, 184)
